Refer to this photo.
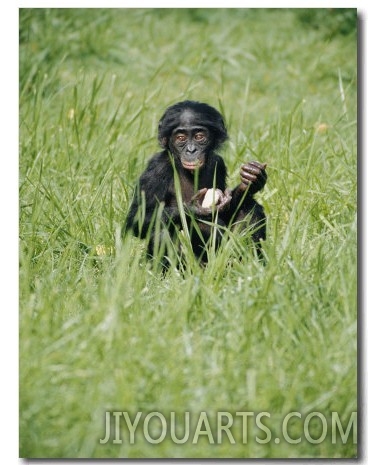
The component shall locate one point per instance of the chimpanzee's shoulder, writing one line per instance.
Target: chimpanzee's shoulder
(158, 172)
(159, 162)
(159, 158)
(217, 161)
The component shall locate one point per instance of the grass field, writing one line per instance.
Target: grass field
(103, 332)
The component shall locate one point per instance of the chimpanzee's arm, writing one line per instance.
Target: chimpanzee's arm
(253, 178)
(153, 188)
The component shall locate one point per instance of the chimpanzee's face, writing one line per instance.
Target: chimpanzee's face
(190, 141)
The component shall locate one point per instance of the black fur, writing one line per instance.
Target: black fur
(156, 186)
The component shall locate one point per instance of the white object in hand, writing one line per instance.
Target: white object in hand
(212, 197)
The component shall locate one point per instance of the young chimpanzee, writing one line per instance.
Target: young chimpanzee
(189, 133)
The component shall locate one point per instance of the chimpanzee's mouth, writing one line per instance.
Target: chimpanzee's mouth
(192, 166)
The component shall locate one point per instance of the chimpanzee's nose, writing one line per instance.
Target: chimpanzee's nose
(191, 149)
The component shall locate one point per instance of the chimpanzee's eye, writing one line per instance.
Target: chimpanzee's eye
(200, 137)
(181, 138)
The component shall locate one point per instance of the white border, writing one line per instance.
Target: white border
(371, 130)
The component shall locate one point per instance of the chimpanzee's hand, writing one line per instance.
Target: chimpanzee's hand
(253, 176)
(206, 201)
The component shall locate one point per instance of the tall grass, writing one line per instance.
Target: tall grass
(100, 329)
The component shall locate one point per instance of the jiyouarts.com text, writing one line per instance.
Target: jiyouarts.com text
(238, 427)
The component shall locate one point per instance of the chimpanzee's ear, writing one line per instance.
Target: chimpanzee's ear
(163, 142)
(162, 139)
